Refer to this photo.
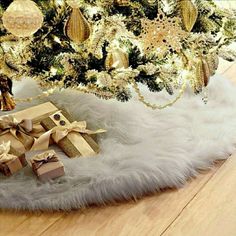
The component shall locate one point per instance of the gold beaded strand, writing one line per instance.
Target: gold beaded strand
(156, 106)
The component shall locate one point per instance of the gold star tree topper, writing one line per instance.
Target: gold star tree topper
(161, 35)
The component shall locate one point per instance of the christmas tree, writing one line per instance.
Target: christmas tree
(109, 47)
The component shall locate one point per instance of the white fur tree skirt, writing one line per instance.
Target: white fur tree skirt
(143, 151)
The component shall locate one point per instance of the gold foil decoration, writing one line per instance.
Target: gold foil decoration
(117, 59)
(189, 14)
(77, 27)
(22, 18)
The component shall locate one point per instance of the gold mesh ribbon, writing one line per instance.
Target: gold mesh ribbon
(4, 153)
(60, 132)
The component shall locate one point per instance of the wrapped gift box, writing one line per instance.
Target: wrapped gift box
(47, 166)
(20, 155)
(11, 167)
(36, 114)
(74, 144)
(16, 162)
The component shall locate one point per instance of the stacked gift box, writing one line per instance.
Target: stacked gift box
(36, 128)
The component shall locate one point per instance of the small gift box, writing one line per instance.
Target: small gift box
(10, 163)
(47, 166)
(72, 137)
(20, 155)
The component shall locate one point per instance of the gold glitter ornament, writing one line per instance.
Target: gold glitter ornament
(209, 66)
(161, 35)
(116, 59)
(77, 27)
(213, 62)
(206, 73)
(198, 82)
(22, 18)
(189, 14)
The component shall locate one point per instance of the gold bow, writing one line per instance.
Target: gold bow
(20, 130)
(60, 132)
(4, 153)
(43, 158)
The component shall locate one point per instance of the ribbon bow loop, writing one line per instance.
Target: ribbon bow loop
(61, 132)
(4, 153)
(46, 157)
(8, 123)
(21, 130)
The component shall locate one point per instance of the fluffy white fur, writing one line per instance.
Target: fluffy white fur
(143, 151)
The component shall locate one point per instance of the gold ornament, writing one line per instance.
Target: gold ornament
(205, 68)
(117, 59)
(122, 2)
(77, 27)
(213, 62)
(22, 18)
(209, 66)
(189, 14)
(206, 73)
(152, 2)
(162, 34)
(198, 83)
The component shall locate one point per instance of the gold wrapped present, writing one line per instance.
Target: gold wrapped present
(10, 163)
(73, 138)
(47, 166)
(21, 128)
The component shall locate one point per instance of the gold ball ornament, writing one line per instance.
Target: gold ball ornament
(22, 18)
(117, 59)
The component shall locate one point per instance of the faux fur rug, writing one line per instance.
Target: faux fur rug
(143, 151)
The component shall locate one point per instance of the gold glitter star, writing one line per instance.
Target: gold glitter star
(162, 34)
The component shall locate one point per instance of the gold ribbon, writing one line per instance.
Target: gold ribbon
(4, 153)
(21, 130)
(43, 158)
(60, 132)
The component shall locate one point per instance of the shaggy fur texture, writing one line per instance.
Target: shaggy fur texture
(143, 151)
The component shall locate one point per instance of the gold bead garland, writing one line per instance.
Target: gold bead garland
(107, 95)
(41, 96)
(156, 106)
